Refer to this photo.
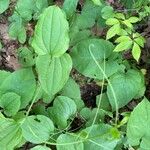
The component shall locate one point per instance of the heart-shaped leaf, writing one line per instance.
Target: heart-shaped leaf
(125, 87)
(102, 51)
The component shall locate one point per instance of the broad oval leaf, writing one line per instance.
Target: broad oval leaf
(102, 50)
(69, 142)
(21, 82)
(138, 126)
(10, 133)
(126, 86)
(10, 102)
(53, 72)
(37, 129)
(51, 33)
(63, 108)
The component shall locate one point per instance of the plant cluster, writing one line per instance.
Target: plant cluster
(40, 101)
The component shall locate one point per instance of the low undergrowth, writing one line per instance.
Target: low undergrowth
(65, 46)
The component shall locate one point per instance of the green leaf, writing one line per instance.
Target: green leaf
(77, 36)
(89, 14)
(123, 39)
(133, 19)
(102, 51)
(97, 2)
(53, 73)
(140, 41)
(10, 133)
(10, 102)
(17, 31)
(37, 129)
(138, 126)
(3, 5)
(89, 115)
(64, 106)
(72, 90)
(99, 138)
(107, 12)
(136, 52)
(104, 101)
(115, 29)
(125, 45)
(25, 9)
(66, 140)
(128, 24)
(21, 82)
(3, 76)
(51, 33)
(69, 6)
(112, 21)
(39, 147)
(126, 86)
(40, 5)
(26, 57)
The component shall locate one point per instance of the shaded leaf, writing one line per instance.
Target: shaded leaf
(10, 102)
(64, 106)
(69, 6)
(37, 129)
(21, 82)
(102, 51)
(126, 86)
